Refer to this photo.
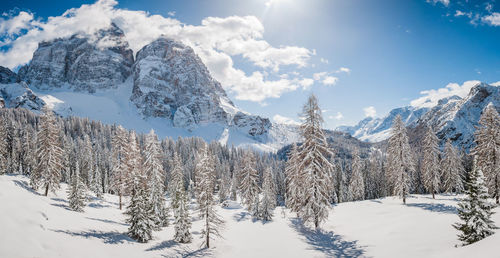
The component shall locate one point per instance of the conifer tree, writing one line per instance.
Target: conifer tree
(487, 149)
(452, 169)
(314, 166)
(3, 146)
(400, 159)
(294, 187)
(249, 182)
(269, 196)
(225, 184)
(133, 162)
(156, 178)
(475, 210)
(182, 219)
(119, 171)
(176, 181)
(96, 182)
(76, 193)
(49, 152)
(140, 216)
(205, 171)
(430, 162)
(234, 186)
(356, 185)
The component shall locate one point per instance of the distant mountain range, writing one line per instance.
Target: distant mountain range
(452, 117)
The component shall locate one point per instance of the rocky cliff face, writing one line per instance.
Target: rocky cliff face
(83, 62)
(14, 94)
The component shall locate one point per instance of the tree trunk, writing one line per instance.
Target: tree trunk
(404, 199)
(433, 196)
(46, 189)
(316, 223)
(120, 201)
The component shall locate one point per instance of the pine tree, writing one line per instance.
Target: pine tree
(475, 210)
(49, 153)
(294, 188)
(133, 161)
(487, 150)
(400, 159)
(269, 196)
(140, 216)
(76, 193)
(430, 162)
(314, 166)
(96, 182)
(119, 171)
(182, 219)
(156, 178)
(255, 207)
(249, 182)
(176, 181)
(357, 185)
(452, 169)
(234, 186)
(225, 184)
(205, 170)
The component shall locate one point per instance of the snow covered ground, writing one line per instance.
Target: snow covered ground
(33, 225)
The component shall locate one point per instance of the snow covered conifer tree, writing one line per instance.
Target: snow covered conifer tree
(475, 210)
(314, 166)
(96, 182)
(176, 181)
(269, 196)
(356, 185)
(76, 193)
(205, 171)
(294, 188)
(400, 159)
(119, 171)
(133, 160)
(430, 162)
(182, 219)
(225, 183)
(3, 146)
(140, 216)
(156, 178)
(452, 169)
(49, 153)
(249, 182)
(234, 186)
(487, 150)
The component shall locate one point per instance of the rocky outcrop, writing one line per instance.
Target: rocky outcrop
(18, 95)
(7, 76)
(83, 62)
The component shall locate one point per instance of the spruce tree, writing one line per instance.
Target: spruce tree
(487, 149)
(400, 159)
(156, 178)
(3, 146)
(96, 182)
(314, 166)
(182, 219)
(269, 196)
(357, 185)
(176, 181)
(430, 162)
(475, 210)
(294, 188)
(140, 216)
(452, 169)
(205, 171)
(49, 153)
(249, 180)
(76, 193)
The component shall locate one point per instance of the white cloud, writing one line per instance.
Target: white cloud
(216, 40)
(324, 60)
(330, 80)
(496, 84)
(492, 19)
(459, 13)
(444, 2)
(171, 13)
(343, 70)
(318, 76)
(284, 120)
(431, 97)
(370, 111)
(306, 83)
(338, 116)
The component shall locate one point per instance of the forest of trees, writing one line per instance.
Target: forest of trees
(156, 177)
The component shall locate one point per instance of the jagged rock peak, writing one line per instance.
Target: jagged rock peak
(7, 76)
(83, 62)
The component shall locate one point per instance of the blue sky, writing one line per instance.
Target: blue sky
(389, 50)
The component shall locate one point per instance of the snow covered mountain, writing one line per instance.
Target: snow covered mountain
(452, 117)
(165, 87)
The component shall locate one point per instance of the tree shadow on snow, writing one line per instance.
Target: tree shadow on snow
(98, 205)
(163, 245)
(112, 237)
(107, 221)
(203, 252)
(61, 206)
(327, 242)
(241, 216)
(435, 207)
(25, 186)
